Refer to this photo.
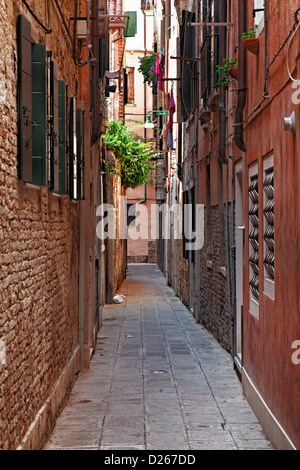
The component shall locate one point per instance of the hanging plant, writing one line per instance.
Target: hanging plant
(227, 72)
(250, 41)
(133, 154)
(147, 67)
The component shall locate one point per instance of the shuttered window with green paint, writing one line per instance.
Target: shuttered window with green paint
(24, 99)
(103, 57)
(54, 160)
(130, 24)
(62, 136)
(80, 153)
(39, 119)
(73, 149)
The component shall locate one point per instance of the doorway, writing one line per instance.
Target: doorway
(239, 264)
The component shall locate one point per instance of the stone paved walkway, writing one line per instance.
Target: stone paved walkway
(157, 381)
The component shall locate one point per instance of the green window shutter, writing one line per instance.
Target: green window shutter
(54, 158)
(62, 136)
(103, 57)
(39, 114)
(130, 24)
(80, 154)
(73, 149)
(24, 99)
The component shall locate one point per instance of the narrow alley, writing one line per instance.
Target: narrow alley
(156, 381)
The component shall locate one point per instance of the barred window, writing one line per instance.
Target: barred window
(269, 242)
(253, 239)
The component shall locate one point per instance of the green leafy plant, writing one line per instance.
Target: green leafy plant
(133, 153)
(250, 34)
(147, 67)
(224, 71)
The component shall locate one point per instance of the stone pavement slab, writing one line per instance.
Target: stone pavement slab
(157, 381)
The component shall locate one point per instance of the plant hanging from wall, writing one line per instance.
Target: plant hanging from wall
(250, 41)
(133, 154)
(147, 67)
(227, 72)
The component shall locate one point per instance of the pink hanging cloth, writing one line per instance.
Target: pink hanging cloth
(172, 109)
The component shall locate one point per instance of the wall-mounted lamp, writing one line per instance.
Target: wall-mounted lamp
(289, 123)
(149, 124)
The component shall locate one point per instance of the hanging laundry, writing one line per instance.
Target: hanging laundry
(172, 110)
(161, 68)
(170, 142)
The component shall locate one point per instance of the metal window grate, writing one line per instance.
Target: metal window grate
(253, 236)
(268, 186)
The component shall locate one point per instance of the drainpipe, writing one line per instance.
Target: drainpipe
(239, 137)
(266, 47)
(197, 254)
(222, 95)
(145, 97)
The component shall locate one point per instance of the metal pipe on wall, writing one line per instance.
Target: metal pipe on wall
(222, 93)
(242, 91)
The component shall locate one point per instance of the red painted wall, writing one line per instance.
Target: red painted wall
(268, 339)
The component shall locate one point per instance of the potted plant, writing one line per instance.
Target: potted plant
(250, 41)
(228, 72)
(147, 67)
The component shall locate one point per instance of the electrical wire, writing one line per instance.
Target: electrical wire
(47, 30)
(289, 45)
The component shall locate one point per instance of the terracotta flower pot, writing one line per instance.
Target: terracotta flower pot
(252, 45)
(233, 73)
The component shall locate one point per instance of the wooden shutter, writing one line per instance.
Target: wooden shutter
(54, 128)
(73, 149)
(24, 99)
(103, 57)
(62, 136)
(39, 115)
(130, 24)
(80, 154)
(187, 50)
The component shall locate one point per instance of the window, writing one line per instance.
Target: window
(40, 144)
(210, 48)
(24, 100)
(253, 239)
(130, 24)
(62, 136)
(42, 120)
(80, 153)
(52, 135)
(189, 69)
(130, 85)
(259, 14)
(269, 265)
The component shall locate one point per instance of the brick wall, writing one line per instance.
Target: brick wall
(39, 248)
(214, 313)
